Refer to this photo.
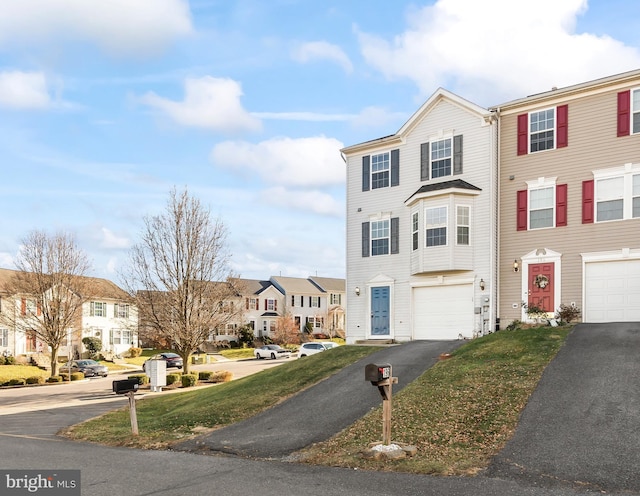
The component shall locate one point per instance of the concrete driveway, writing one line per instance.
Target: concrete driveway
(581, 427)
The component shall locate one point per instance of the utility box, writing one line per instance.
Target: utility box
(376, 373)
(125, 386)
(157, 372)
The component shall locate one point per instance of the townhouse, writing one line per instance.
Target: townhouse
(422, 226)
(570, 201)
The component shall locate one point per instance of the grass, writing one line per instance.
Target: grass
(166, 419)
(8, 372)
(459, 413)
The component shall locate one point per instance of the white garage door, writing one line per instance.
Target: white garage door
(443, 312)
(612, 291)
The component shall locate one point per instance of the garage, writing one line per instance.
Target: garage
(612, 291)
(443, 312)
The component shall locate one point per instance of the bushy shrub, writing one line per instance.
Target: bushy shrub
(77, 376)
(54, 378)
(142, 378)
(10, 360)
(134, 352)
(2, 361)
(515, 324)
(567, 313)
(189, 380)
(93, 345)
(17, 382)
(221, 376)
(36, 379)
(204, 375)
(173, 378)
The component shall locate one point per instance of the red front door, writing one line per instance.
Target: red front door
(541, 286)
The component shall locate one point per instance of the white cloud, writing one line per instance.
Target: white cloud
(322, 50)
(24, 90)
(301, 200)
(305, 162)
(495, 50)
(211, 103)
(111, 240)
(117, 26)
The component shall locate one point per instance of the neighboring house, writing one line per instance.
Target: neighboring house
(336, 302)
(106, 315)
(570, 201)
(421, 226)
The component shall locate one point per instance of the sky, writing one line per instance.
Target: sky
(105, 107)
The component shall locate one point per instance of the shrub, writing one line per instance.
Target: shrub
(10, 360)
(567, 313)
(515, 324)
(189, 380)
(93, 345)
(54, 378)
(173, 378)
(17, 382)
(204, 375)
(36, 379)
(134, 352)
(142, 378)
(221, 376)
(77, 376)
(2, 360)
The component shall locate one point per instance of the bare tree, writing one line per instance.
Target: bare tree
(49, 289)
(179, 275)
(286, 331)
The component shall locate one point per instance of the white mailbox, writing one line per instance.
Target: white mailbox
(157, 372)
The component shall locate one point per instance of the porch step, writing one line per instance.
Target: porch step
(41, 361)
(375, 342)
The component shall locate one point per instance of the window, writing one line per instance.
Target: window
(380, 170)
(4, 338)
(541, 204)
(270, 305)
(636, 196)
(436, 224)
(610, 199)
(616, 195)
(414, 231)
(336, 299)
(462, 225)
(441, 158)
(314, 301)
(543, 130)
(121, 311)
(635, 111)
(98, 309)
(380, 237)
(252, 304)
(120, 336)
(315, 321)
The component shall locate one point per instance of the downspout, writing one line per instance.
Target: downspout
(496, 275)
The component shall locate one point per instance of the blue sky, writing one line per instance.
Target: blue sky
(106, 106)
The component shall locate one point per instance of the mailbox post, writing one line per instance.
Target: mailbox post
(129, 387)
(380, 375)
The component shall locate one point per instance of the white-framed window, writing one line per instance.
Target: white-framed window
(120, 336)
(336, 299)
(121, 311)
(380, 235)
(635, 111)
(541, 207)
(314, 301)
(315, 321)
(441, 153)
(414, 231)
(4, 338)
(463, 224)
(98, 309)
(542, 126)
(617, 193)
(271, 305)
(380, 170)
(436, 226)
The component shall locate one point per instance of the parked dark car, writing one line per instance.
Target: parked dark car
(90, 368)
(172, 359)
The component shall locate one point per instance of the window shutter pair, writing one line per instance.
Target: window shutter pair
(425, 159)
(394, 241)
(522, 208)
(562, 130)
(395, 170)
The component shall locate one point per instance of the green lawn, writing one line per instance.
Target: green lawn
(8, 372)
(458, 414)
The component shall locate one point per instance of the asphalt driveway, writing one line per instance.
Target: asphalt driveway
(321, 411)
(582, 424)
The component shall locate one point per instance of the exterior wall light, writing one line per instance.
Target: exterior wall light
(516, 266)
(357, 290)
(481, 284)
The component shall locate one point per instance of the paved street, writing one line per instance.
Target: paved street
(554, 452)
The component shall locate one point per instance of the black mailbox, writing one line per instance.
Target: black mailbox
(377, 372)
(125, 386)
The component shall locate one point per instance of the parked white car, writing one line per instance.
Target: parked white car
(272, 351)
(311, 348)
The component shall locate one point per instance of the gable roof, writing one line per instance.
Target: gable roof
(329, 284)
(295, 285)
(438, 96)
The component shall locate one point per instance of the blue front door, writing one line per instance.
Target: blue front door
(380, 311)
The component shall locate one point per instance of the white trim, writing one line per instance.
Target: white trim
(381, 280)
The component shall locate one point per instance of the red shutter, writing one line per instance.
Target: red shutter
(266, 304)
(587, 202)
(23, 307)
(246, 303)
(522, 210)
(257, 303)
(561, 205)
(624, 108)
(523, 134)
(275, 305)
(38, 309)
(562, 115)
